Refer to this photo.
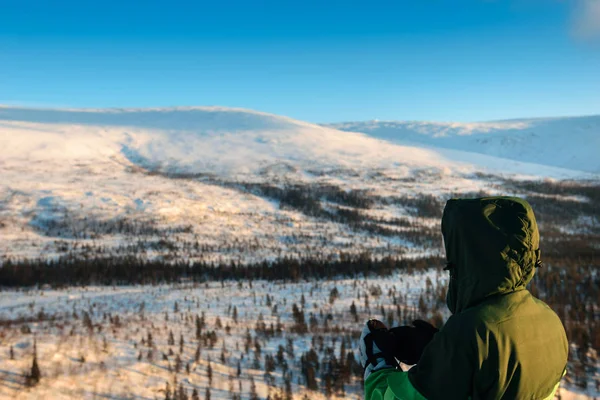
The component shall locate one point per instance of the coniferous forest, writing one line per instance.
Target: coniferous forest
(279, 329)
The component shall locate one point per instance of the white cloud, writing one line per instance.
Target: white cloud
(586, 19)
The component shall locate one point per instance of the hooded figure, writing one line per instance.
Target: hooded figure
(500, 342)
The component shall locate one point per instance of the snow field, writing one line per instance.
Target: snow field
(111, 367)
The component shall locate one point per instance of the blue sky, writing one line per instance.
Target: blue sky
(321, 61)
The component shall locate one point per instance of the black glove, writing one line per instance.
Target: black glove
(410, 341)
(376, 347)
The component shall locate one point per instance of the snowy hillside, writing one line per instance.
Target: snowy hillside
(157, 182)
(213, 139)
(571, 143)
(348, 221)
(194, 140)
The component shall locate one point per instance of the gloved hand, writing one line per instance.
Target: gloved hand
(376, 348)
(410, 341)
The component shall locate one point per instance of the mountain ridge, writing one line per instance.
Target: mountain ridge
(565, 142)
(278, 138)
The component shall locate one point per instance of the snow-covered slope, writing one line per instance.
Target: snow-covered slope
(572, 143)
(222, 140)
(192, 140)
(210, 175)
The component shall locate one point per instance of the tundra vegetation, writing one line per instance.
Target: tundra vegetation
(127, 322)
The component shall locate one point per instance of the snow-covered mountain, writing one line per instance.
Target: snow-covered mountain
(226, 141)
(572, 143)
(212, 178)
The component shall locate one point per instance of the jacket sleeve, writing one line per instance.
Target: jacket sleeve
(446, 368)
(390, 384)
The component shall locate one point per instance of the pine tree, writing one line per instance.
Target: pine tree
(269, 363)
(333, 295)
(12, 353)
(280, 355)
(328, 386)
(247, 341)
(171, 340)
(311, 378)
(195, 394)
(353, 311)
(34, 375)
(289, 348)
(177, 364)
(422, 305)
(343, 353)
(87, 322)
(197, 354)
(209, 372)
(299, 320)
(253, 394)
(261, 327)
(198, 328)
(288, 386)
(207, 394)
(167, 392)
(182, 393)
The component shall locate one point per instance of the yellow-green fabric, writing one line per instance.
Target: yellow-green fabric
(510, 346)
(555, 389)
(493, 245)
(501, 342)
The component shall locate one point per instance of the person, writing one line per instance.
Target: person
(500, 341)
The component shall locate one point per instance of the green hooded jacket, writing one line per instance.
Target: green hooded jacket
(500, 342)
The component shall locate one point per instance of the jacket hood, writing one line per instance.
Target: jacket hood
(492, 247)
